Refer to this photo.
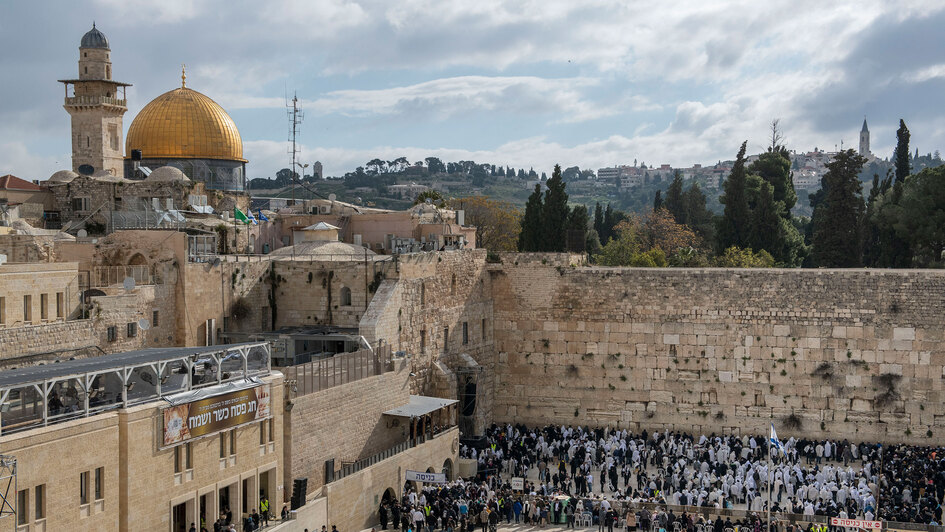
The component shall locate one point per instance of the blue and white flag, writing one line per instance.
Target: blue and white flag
(262, 217)
(775, 442)
(251, 219)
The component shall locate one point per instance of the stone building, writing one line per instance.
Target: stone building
(154, 440)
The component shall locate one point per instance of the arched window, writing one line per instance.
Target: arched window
(423, 294)
(346, 296)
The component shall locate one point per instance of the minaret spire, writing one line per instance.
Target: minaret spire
(183, 76)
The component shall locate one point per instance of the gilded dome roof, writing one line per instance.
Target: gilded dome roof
(184, 124)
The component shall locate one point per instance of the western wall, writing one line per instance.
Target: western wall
(840, 353)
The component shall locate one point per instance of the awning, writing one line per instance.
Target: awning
(420, 405)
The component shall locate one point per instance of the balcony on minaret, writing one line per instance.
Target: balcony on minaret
(95, 100)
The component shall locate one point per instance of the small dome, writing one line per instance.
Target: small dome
(63, 176)
(166, 174)
(94, 39)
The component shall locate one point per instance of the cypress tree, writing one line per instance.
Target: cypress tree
(554, 214)
(674, 199)
(530, 237)
(902, 152)
(734, 224)
(837, 219)
(658, 200)
(765, 230)
(608, 226)
(599, 220)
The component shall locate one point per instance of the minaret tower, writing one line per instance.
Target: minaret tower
(96, 104)
(865, 140)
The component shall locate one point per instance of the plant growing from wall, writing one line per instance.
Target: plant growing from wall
(240, 309)
(792, 422)
(886, 390)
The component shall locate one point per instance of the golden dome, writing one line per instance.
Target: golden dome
(184, 124)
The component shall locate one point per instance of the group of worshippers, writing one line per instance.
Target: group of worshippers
(805, 476)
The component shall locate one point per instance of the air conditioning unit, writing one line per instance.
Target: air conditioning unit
(325, 209)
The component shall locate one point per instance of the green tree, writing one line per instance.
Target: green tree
(434, 196)
(598, 219)
(765, 228)
(698, 217)
(902, 152)
(620, 249)
(734, 224)
(658, 200)
(919, 217)
(577, 229)
(837, 219)
(554, 214)
(529, 239)
(674, 200)
(774, 166)
(735, 257)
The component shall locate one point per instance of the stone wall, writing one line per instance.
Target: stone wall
(424, 313)
(353, 501)
(842, 353)
(344, 423)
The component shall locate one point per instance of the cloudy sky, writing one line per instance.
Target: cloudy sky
(525, 83)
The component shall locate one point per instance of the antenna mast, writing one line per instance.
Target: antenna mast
(295, 119)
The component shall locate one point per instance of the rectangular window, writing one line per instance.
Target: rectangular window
(60, 304)
(22, 517)
(112, 333)
(154, 318)
(99, 483)
(423, 340)
(262, 432)
(39, 501)
(44, 306)
(84, 487)
(233, 442)
(483, 328)
(465, 332)
(28, 309)
(177, 463)
(446, 338)
(270, 431)
(80, 204)
(132, 330)
(190, 456)
(222, 445)
(3, 310)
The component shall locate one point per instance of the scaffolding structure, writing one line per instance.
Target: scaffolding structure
(8, 487)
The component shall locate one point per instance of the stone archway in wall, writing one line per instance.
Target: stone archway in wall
(448, 469)
(389, 496)
(137, 260)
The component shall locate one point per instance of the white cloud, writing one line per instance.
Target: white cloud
(17, 159)
(160, 12)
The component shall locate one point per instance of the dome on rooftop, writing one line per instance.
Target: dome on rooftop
(63, 176)
(167, 174)
(94, 39)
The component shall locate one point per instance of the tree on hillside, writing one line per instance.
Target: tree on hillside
(554, 214)
(774, 166)
(734, 225)
(919, 218)
(764, 229)
(576, 230)
(658, 200)
(698, 217)
(735, 257)
(497, 222)
(674, 199)
(902, 152)
(661, 230)
(434, 196)
(837, 218)
(598, 219)
(529, 239)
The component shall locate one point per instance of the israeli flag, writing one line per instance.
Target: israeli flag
(251, 219)
(775, 442)
(262, 217)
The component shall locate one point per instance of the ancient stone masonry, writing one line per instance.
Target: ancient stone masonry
(844, 353)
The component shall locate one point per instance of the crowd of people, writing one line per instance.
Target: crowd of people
(810, 477)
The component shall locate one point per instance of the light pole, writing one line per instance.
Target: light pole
(303, 167)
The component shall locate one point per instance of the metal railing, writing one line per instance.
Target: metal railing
(353, 467)
(115, 275)
(95, 100)
(339, 369)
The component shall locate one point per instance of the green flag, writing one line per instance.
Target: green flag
(238, 214)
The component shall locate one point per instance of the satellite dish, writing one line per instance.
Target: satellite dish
(128, 283)
(82, 233)
(331, 197)
(86, 169)
(143, 324)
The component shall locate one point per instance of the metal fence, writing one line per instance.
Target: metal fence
(339, 369)
(143, 274)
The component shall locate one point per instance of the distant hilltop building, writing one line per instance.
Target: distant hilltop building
(182, 128)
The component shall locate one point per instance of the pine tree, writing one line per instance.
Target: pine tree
(530, 237)
(837, 219)
(902, 152)
(554, 214)
(734, 224)
(774, 166)
(577, 229)
(674, 199)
